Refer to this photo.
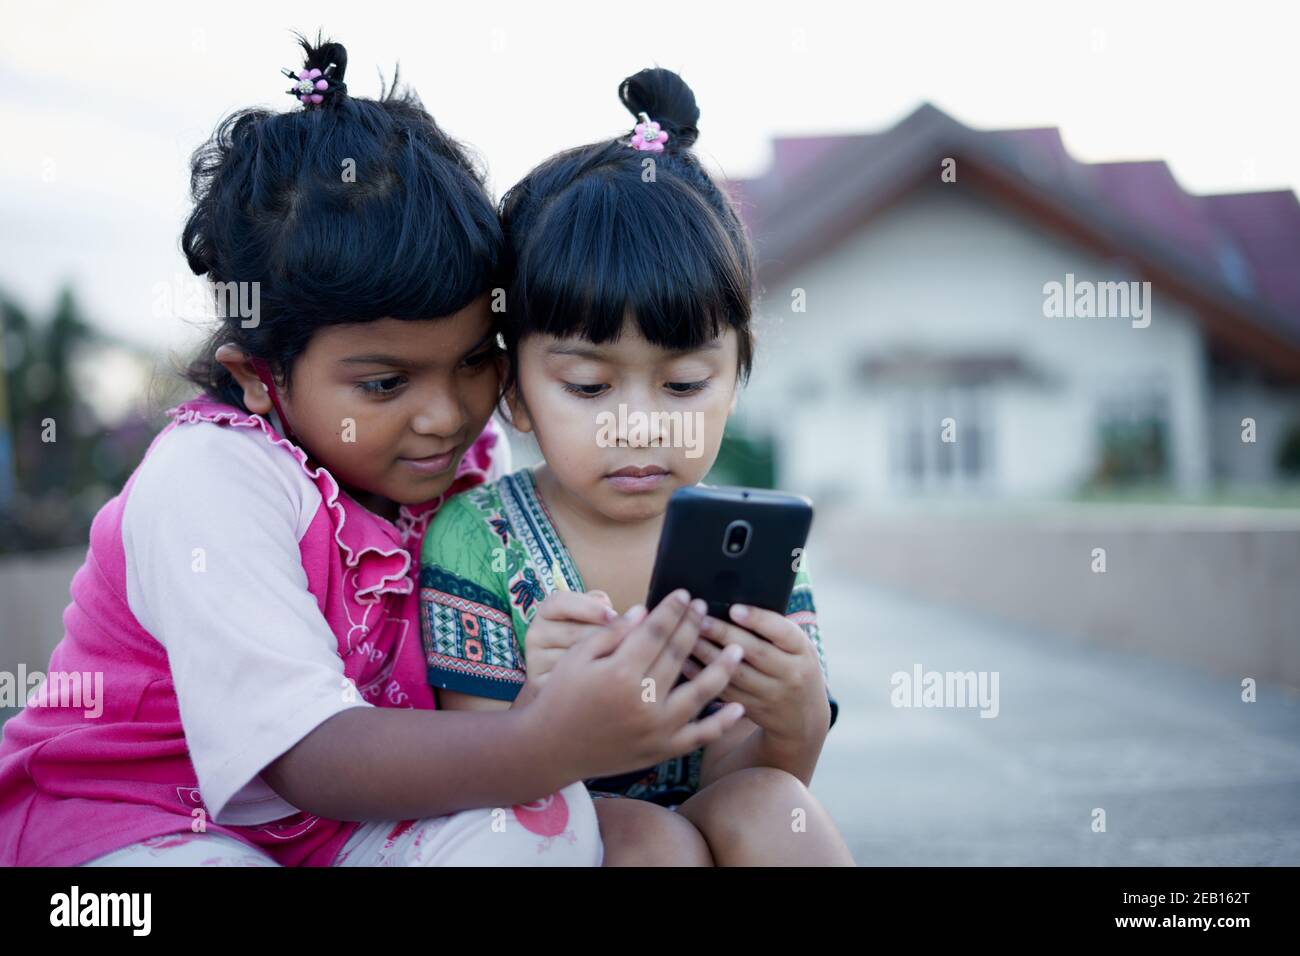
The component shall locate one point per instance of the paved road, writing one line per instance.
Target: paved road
(1186, 773)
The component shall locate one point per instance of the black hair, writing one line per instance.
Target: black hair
(590, 236)
(411, 234)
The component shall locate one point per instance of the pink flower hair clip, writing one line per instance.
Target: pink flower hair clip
(312, 86)
(647, 136)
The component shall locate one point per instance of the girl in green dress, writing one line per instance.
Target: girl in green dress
(627, 336)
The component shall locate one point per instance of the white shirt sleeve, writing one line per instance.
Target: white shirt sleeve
(214, 572)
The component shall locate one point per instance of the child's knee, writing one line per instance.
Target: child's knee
(752, 803)
(638, 833)
(761, 789)
(762, 816)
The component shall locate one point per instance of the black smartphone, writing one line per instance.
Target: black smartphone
(731, 546)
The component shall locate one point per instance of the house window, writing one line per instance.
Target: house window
(1133, 436)
(940, 437)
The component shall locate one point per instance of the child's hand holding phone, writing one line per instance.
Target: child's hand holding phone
(562, 620)
(779, 680)
(599, 686)
(738, 549)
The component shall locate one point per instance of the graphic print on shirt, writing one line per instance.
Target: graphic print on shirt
(381, 682)
(548, 818)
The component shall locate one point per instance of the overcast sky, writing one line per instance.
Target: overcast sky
(103, 102)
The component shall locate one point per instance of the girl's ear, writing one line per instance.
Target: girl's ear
(519, 417)
(237, 362)
(735, 398)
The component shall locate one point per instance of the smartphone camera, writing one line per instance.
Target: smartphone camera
(736, 538)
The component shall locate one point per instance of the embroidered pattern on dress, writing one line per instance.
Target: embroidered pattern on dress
(469, 636)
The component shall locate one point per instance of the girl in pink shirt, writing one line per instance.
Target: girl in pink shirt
(248, 600)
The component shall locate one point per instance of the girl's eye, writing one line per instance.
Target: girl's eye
(382, 386)
(586, 391)
(686, 388)
(481, 357)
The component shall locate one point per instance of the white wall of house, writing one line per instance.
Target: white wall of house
(1274, 412)
(948, 273)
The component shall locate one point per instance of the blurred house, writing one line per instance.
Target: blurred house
(907, 343)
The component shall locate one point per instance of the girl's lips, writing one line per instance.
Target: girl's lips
(627, 480)
(433, 465)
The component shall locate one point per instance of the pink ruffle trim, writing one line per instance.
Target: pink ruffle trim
(376, 548)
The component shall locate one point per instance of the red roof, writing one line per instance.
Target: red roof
(1265, 228)
(1241, 248)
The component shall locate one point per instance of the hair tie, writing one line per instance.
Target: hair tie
(312, 86)
(647, 136)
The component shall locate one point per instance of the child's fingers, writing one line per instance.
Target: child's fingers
(760, 653)
(573, 606)
(777, 628)
(608, 638)
(746, 677)
(688, 699)
(650, 637)
(668, 665)
(731, 692)
(560, 636)
(602, 597)
(700, 733)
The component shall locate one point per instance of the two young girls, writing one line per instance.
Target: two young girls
(250, 596)
(629, 301)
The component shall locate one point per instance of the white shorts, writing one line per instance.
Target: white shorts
(559, 830)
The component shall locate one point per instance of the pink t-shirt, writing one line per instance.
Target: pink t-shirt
(232, 598)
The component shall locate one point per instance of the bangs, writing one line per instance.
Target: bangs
(611, 244)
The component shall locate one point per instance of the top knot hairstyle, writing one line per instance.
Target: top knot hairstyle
(321, 76)
(665, 98)
(347, 210)
(604, 230)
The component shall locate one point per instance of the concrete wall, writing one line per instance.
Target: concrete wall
(33, 594)
(1218, 589)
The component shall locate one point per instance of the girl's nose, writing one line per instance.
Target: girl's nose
(440, 413)
(645, 422)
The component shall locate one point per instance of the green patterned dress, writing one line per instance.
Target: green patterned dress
(488, 560)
